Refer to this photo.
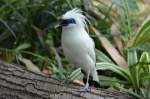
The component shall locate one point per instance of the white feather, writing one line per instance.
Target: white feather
(77, 15)
(77, 45)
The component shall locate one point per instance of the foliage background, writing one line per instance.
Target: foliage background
(29, 35)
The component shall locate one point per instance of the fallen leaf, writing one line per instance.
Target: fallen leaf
(29, 65)
(115, 33)
(111, 50)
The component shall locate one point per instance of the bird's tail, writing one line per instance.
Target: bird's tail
(93, 79)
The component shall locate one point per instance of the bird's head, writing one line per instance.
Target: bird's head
(73, 18)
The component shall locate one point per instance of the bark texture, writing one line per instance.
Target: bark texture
(18, 83)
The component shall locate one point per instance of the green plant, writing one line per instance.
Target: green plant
(136, 78)
(29, 28)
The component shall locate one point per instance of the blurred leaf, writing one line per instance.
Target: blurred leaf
(116, 37)
(112, 51)
(143, 34)
(108, 66)
(132, 4)
(144, 58)
(137, 70)
(8, 27)
(75, 74)
(144, 47)
(101, 57)
(6, 55)
(22, 46)
(35, 55)
(58, 59)
(146, 77)
(29, 65)
(134, 95)
(132, 57)
(144, 62)
(110, 81)
(4, 36)
(39, 33)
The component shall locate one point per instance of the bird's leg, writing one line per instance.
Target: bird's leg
(86, 88)
(87, 82)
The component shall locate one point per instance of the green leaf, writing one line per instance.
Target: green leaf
(108, 66)
(143, 33)
(4, 36)
(132, 4)
(75, 74)
(36, 55)
(22, 47)
(144, 47)
(144, 58)
(134, 95)
(29, 64)
(101, 57)
(144, 64)
(138, 70)
(110, 81)
(8, 27)
(132, 61)
(146, 77)
(132, 57)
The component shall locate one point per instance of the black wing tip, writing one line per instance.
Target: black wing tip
(92, 83)
(95, 84)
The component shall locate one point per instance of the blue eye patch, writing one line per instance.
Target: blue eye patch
(65, 22)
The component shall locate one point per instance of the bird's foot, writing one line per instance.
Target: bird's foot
(85, 89)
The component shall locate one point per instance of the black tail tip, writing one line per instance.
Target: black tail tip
(92, 83)
(95, 84)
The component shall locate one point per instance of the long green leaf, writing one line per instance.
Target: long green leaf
(8, 27)
(22, 46)
(101, 57)
(132, 57)
(143, 30)
(108, 66)
(75, 74)
(110, 81)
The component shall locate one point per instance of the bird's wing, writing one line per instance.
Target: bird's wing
(90, 48)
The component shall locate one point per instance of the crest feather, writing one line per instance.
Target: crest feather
(76, 14)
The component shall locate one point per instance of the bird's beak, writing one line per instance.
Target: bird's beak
(63, 22)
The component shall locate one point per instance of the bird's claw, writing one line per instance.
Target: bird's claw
(85, 90)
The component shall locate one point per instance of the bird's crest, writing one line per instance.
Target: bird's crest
(76, 14)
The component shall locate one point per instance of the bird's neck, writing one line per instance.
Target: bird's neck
(73, 30)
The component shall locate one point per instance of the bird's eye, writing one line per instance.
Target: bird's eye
(66, 22)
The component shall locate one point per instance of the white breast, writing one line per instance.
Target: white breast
(78, 47)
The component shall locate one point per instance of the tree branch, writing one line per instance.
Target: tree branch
(18, 83)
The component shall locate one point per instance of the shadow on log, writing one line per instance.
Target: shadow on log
(18, 83)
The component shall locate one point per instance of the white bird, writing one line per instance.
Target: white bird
(77, 45)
